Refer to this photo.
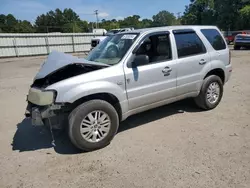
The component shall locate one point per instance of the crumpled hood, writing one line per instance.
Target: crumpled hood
(57, 60)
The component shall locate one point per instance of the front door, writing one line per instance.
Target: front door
(154, 81)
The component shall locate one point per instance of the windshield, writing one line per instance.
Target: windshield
(112, 49)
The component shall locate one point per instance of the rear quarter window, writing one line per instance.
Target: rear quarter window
(215, 38)
(189, 44)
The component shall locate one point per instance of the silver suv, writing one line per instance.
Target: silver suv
(126, 74)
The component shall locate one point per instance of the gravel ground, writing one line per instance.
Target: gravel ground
(172, 146)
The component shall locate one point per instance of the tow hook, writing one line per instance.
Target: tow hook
(53, 142)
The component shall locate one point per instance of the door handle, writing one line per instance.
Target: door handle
(202, 62)
(166, 71)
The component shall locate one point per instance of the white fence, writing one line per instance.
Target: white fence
(15, 45)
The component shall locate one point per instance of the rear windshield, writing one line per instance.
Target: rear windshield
(215, 39)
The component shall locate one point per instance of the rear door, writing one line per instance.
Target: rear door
(192, 59)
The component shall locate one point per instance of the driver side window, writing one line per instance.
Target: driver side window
(157, 48)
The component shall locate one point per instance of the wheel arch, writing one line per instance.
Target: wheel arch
(108, 97)
(218, 72)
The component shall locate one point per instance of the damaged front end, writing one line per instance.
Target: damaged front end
(41, 107)
(53, 115)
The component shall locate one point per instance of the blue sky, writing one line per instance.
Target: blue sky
(108, 9)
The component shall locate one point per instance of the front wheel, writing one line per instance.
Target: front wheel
(211, 93)
(93, 125)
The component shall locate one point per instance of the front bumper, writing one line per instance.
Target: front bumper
(40, 114)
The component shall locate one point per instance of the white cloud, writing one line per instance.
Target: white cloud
(103, 14)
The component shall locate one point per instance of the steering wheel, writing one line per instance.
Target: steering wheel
(112, 51)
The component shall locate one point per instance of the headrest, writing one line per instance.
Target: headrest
(163, 48)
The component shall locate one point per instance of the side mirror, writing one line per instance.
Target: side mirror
(138, 61)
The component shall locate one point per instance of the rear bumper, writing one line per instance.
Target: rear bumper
(241, 43)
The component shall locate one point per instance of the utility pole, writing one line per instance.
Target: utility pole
(178, 18)
(96, 13)
(178, 15)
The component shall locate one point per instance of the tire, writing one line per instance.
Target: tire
(80, 113)
(236, 47)
(201, 100)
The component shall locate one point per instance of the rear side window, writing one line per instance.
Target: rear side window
(189, 44)
(215, 39)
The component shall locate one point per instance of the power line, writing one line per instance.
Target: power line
(87, 13)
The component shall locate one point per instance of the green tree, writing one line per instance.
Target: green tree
(42, 23)
(199, 12)
(60, 21)
(71, 28)
(83, 25)
(75, 27)
(131, 21)
(24, 27)
(11, 23)
(2, 22)
(145, 23)
(109, 24)
(245, 17)
(164, 18)
(70, 16)
(226, 14)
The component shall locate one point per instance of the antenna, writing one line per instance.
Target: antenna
(96, 13)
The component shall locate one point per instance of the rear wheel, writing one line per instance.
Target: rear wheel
(93, 125)
(236, 47)
(211, 93)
